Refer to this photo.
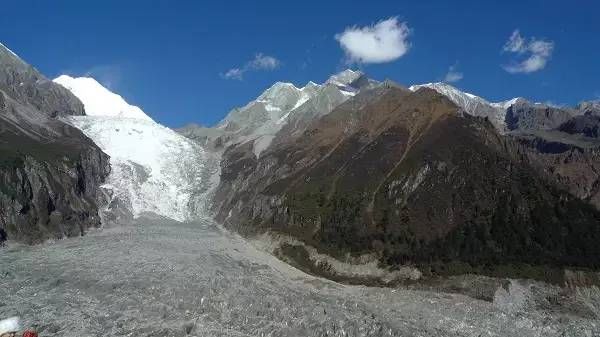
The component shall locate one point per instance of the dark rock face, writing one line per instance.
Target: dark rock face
(526, 116)
(573, 165)
(50, 172)
(568, 153)
(409, 177)
(587, 125)
(25, 84)
(590, 108)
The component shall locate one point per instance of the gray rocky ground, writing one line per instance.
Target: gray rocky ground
(157, 277)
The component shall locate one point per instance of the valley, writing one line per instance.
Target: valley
(159, 277)
(351, 207)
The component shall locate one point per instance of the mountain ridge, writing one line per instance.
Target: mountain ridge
(349, 180)
(50, 172)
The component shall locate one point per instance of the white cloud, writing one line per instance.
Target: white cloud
(264, 62)
(516, 43)
(259, 63)
(234, 73)
(383, 42)
(537, 53)
(453, 75)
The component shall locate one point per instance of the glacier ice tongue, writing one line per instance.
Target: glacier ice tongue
(154, 169)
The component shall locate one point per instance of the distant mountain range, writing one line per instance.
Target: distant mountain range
(426, 176)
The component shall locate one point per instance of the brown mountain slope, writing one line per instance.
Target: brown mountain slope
(407, 176)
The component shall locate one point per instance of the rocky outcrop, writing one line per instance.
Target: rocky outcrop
(50, 172)
(43, 199)
(523, 115)
(25, 84)
(572, 162)
(587, 125)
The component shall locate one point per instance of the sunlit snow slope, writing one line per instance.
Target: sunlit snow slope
(154, 169)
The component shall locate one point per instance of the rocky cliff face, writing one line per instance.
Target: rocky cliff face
(572, 162)
(561, 142)
(50, 172)
(410, 177)
(523, 116)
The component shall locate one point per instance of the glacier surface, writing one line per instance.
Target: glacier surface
(159, 277)
(153, 168)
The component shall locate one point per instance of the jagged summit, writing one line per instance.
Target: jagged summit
(98, 100)
(589, 107)
(345, 77)
(508, 103)
(311, 84)
(280, 96)
(452, 92)
(475, 105)
(471, 104)
(261, 119)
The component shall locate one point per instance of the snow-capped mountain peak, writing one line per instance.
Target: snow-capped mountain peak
(280, 96)
(471, 104)
(344, 78)
(508, 103)
(311, 84)
(98, 100)
(459, 97)
(261, 119)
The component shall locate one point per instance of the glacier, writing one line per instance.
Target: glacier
(153, 168)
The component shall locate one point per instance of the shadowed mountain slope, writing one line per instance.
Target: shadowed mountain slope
(49, 171)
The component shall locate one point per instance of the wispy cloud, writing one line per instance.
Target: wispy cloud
(234, 73)
(453, 75)
(382, 42)
(260, 62)
(533, 53)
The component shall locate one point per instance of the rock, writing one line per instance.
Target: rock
(50, 172)
(366, 178)
(188, 327)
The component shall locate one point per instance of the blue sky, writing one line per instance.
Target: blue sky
(171, 57)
